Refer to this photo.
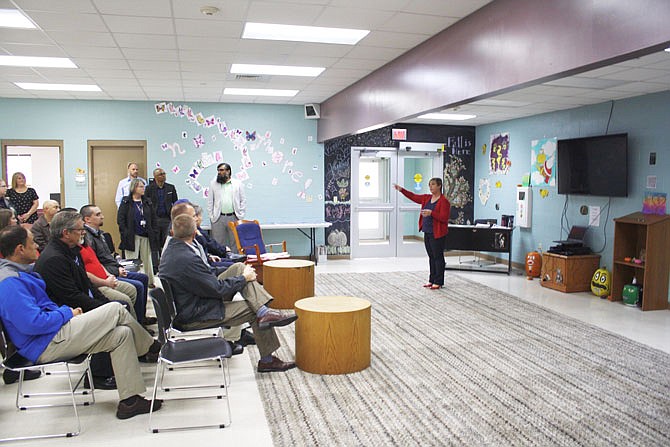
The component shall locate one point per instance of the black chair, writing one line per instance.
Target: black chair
(172, 308)
(181, 352)
(16, 362)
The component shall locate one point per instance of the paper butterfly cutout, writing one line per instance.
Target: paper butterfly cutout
(251, 136)
(544, 193)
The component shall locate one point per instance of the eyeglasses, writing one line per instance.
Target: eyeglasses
(81, 230)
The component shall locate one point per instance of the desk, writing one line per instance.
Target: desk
(477, 238)
(301, 226)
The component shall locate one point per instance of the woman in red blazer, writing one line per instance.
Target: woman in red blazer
(433, 222)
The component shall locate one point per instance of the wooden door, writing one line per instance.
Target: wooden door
(108, 163)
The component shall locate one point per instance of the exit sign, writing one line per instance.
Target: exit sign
(399, 134)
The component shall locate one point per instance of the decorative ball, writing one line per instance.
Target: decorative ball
(601, 282)
(533, 264)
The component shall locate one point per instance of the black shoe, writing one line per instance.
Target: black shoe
(137, 405)
(246, 338)
(101, 383)
(12, 376)
(236, 347)
(148, 321)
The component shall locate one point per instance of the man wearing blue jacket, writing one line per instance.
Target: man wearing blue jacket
(44, 332)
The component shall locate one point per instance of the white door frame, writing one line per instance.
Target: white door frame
(396, 246)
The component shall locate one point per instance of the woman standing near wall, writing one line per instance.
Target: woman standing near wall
(137, 225)
(24, 199)
(433, 221)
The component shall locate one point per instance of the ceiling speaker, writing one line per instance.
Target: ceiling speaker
(312, 112)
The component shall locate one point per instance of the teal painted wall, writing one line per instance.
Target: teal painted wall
(644, 118)
(283, 161)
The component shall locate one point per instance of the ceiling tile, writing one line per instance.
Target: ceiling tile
(286, 13)
(146, 8)
(145, 41)
(139, 25)
(208, 28)
(417, 23)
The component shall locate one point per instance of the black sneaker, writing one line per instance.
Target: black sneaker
(137, 405)
(13, 376)
(101, 383)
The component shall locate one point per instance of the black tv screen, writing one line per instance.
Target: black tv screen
(596, 166)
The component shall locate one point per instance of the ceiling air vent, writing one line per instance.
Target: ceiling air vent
(248, 77)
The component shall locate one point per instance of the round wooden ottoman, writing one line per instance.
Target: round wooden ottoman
(332, 334)
(288, 280)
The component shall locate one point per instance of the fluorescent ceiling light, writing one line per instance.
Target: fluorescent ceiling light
(29, 61)
(259, 92)
(59, 87)
(447, 116)
(295, 33)
(282, 70)
(13, 18)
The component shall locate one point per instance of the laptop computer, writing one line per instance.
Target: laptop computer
(575, 237)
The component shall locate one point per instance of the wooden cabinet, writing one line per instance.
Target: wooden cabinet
(568, 273)
(640, 235)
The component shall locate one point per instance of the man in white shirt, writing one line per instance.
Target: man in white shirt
(124, 183)
(226, 203)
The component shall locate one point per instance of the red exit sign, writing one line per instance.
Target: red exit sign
(399, 134)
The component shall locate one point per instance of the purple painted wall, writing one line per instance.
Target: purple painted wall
(503, 46)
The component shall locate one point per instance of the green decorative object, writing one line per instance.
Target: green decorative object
(630, 294)
(525, 180)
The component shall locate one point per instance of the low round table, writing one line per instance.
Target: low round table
(288, 280)
(332, 334)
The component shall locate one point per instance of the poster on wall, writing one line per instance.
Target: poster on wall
(543, 162)
(499, 159)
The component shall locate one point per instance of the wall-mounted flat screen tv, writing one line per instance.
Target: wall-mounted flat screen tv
(596, 166)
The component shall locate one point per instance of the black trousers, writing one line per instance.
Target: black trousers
(163, 227)
(435, 250)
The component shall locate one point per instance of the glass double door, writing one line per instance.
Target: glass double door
(384, 223)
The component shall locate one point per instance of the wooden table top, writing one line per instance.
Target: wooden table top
(332, 304)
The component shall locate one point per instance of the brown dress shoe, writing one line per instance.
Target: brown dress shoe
(137, 405)
(276, 318)
(276, 365)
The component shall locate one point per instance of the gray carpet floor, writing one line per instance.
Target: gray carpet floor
(469, 365)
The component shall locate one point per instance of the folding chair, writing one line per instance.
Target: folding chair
(180, 352)
(249, 241)
(16, 362)
(172, 308)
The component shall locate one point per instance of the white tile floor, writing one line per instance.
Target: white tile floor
(100, 427)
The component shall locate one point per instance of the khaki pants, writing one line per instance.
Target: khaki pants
(123, 293)
(109, 328)
(238, 312)
(143, 252)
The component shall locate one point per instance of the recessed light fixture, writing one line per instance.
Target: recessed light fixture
(258, 92)
(447, 116)
(281, 70)
(30, 61)
(271, 31)
(13, 18)
(58, 87)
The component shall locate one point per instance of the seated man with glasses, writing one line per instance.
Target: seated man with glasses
(62, 269)
(44, 332)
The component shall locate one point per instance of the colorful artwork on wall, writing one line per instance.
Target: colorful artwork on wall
(543, 162)
(499, 157)
(654, 203)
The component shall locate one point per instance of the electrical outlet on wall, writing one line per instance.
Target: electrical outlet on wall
(594, 216)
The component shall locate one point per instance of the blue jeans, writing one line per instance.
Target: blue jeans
(141, 282)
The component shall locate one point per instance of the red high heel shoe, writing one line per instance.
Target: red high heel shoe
(428, 285)
(435, 287)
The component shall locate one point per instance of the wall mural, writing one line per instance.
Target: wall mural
(258, 160)
(458, 174)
